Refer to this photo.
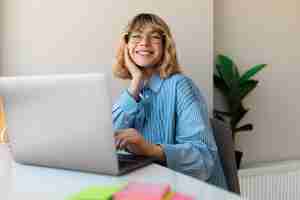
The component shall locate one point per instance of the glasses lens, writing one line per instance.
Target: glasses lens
(138, 37)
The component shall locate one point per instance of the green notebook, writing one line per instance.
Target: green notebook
(96, 193)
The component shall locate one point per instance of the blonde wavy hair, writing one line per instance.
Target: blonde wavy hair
(168, 65)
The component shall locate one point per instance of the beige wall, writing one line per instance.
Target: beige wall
(50, 36)
(265, 31)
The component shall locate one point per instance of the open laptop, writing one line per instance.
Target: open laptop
(64, 121)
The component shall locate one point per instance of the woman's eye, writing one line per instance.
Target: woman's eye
(136, 36)
(156, 37)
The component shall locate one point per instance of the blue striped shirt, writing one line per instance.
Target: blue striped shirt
(172, 112)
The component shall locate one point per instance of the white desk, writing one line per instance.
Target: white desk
(35, 183)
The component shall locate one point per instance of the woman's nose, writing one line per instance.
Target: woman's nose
(145, 41)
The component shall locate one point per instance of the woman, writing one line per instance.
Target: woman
(162, 113)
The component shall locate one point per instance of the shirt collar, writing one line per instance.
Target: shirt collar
(155, 83)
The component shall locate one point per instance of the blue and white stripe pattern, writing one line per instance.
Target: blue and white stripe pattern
(172, 112)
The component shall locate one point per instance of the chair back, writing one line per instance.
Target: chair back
(225, 145)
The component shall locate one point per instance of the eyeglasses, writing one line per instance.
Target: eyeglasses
(154, 38)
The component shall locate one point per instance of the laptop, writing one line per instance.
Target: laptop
(64, 121)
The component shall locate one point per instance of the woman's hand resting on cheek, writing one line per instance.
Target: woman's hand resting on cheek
(137, 75)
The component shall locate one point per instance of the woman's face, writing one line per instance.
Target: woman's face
(146, 47)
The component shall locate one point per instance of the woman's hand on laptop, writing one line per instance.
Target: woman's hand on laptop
(131, 140)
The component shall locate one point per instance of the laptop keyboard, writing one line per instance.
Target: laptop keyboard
(126, 160)
(130, 158)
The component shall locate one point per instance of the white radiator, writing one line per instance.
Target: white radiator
(271, 181)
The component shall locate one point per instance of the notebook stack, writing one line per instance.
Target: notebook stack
(131, 191)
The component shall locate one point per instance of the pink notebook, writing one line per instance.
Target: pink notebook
(142, 191)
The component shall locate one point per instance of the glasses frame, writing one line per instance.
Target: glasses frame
(137, 41)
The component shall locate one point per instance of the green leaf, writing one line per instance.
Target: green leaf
(225, 67)
(247, 87)
(251, 72)
(237, 73)
(221, 85)
(234, 99)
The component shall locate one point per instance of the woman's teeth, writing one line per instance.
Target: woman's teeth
(144, 52)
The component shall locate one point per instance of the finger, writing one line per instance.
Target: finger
(118, 132)
(134, 149)
(128, 148)
(123, 144)
(117, 143)
(124, 134)
(126, 143)
(128, 61)
(126, 53)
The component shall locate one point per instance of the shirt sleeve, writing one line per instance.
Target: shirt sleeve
(124, 111)
(194, 152)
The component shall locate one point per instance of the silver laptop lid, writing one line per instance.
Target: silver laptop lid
(61, 121)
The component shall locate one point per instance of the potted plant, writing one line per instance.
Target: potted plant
(234, 87)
